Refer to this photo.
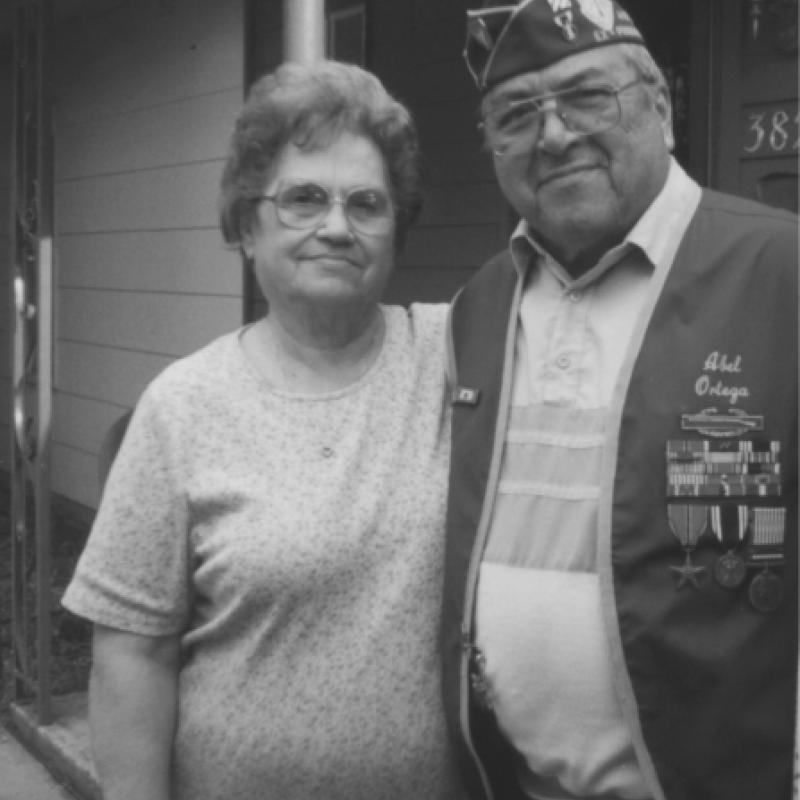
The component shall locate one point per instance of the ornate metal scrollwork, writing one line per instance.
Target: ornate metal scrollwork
(782, 14)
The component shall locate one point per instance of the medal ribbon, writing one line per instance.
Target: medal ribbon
(729, 524)
(769, 526)
(687, 523)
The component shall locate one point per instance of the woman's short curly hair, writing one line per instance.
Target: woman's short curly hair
(309, 106)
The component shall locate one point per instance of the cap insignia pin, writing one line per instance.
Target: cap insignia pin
(479, 31)
(565, 21)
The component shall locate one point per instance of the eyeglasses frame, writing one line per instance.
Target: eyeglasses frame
(333, 199)
(540, 99)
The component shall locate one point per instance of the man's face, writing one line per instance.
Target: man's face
(581, 194)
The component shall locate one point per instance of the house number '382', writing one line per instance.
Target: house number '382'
(774, 131)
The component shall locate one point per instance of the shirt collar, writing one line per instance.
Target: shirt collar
(657, 233)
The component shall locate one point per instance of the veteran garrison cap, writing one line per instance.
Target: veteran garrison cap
(507, 39)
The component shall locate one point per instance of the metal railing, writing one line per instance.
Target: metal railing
(31, 308)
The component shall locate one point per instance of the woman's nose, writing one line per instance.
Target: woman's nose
(335, 223)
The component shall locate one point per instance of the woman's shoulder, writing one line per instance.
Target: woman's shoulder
(193, 377)
(415, 348)
(423, 323)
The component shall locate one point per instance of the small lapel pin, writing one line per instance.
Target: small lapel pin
(464, 396)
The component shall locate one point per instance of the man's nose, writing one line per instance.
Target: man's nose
(555, 135)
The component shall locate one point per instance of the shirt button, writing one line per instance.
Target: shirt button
(563, 362)
(575, 296)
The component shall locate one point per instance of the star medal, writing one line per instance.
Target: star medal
(729, 524)
(687, 523)
(766, 550)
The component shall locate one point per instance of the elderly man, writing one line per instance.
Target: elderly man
(620, 603)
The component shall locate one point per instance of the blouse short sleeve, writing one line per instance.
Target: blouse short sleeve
(133, 574)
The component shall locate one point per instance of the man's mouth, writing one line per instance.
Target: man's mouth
(567, 171)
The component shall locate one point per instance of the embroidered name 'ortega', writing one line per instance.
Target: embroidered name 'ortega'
(710, 384)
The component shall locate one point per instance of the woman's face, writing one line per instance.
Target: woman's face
(332, 261)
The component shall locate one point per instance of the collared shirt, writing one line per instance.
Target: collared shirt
(574, 332)
(538, 619)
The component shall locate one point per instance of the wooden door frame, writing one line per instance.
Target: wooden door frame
(705, 85)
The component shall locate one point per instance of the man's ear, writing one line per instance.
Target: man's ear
(663, 107)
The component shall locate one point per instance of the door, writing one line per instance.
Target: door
(757, 121)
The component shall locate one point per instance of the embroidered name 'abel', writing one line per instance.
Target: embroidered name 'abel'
(709, 384)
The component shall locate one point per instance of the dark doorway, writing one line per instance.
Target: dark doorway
(667, 29)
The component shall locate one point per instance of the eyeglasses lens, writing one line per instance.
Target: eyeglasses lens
(305, 205)
(585, 111)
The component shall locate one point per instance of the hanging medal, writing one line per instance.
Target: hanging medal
(688, 522)
(479, 682)
(729, 524)
(766, 550)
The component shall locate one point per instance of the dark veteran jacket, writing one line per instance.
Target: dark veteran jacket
(697, 531)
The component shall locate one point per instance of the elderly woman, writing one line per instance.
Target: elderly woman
(264, 570)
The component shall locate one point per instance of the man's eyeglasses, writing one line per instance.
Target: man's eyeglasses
(584, 110)
(305, 205)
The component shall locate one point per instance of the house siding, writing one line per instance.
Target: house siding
(464, 218)
(144, 99)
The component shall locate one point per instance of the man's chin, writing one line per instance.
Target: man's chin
(576, 212)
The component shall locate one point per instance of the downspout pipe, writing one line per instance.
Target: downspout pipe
(303, 30)
(45, 148)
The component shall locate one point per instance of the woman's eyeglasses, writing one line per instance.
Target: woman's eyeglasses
(305, 205)
(585, 110)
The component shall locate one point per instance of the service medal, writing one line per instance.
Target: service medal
(730, 570)
(766, 591)
(766, 550)
(729, 524)
(687, 523)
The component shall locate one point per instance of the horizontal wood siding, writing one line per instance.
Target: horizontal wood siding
(110, 375)
(416, 50)
(145, 99)
(142, 261)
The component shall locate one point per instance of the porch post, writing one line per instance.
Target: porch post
(303, 30)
